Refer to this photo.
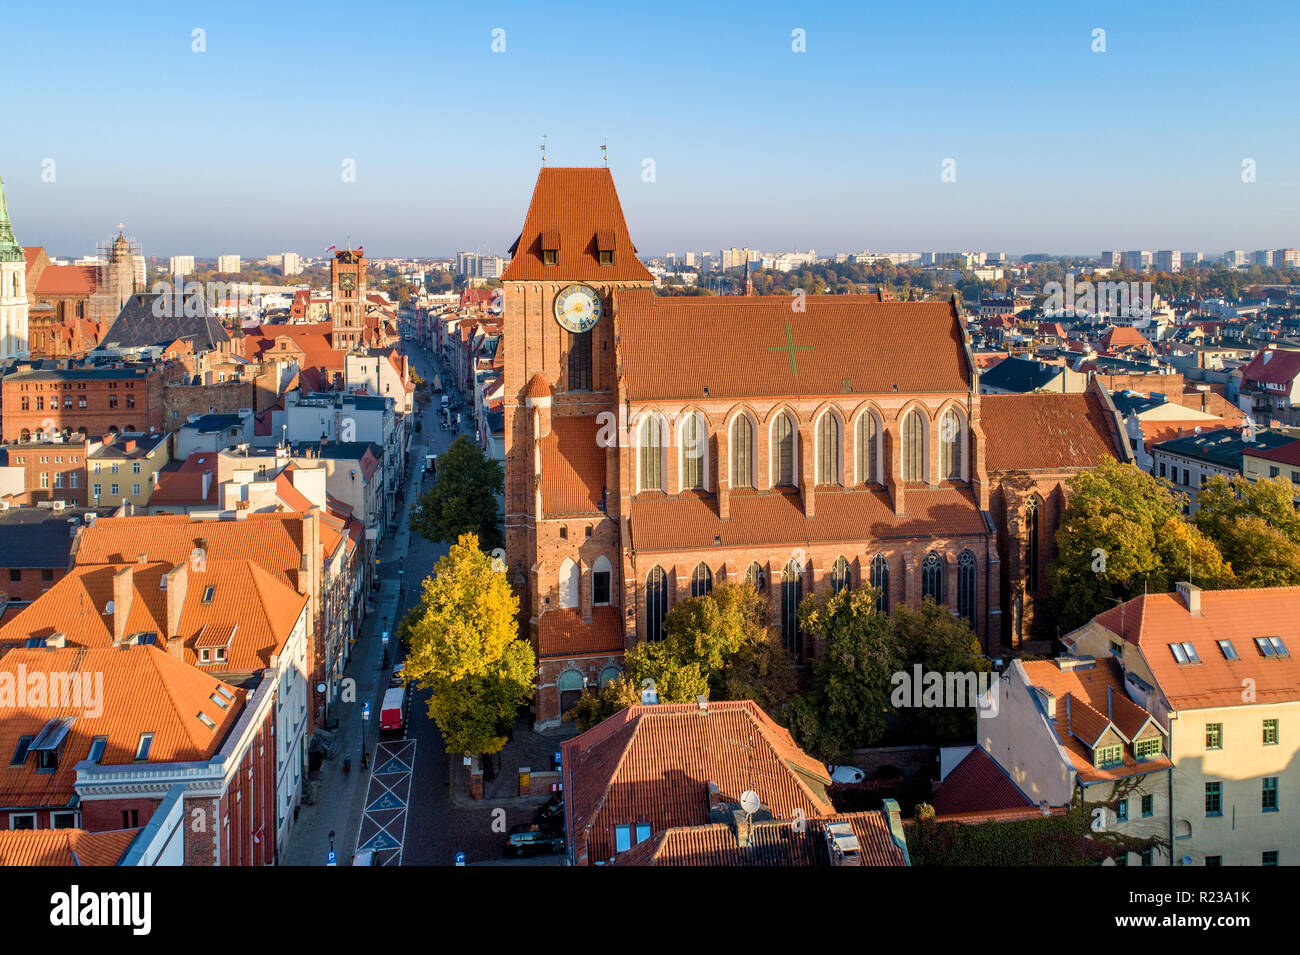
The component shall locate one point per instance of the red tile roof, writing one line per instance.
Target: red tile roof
(571, 205)
(1084, 697)
(573, 467)
(654, 763)
(562, 633)
(1046, 432)
(64, 847)
(1286, 454)
(1154, 621)
(771, 843)
(741, 346)
(138, 690)
(691, 522)
(1281, 367)
(1124, 336)
(977, 784)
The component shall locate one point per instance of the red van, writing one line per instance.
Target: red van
(392, 714)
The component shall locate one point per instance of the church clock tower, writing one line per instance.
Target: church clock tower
(347, 309)
(563, 525)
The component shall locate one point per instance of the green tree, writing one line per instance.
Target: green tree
(939, 642)
(1122, 534)
(847, 704)
(463, 498)
(465, 648)
(1255, 526)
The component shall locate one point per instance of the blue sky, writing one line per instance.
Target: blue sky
(1057, 148)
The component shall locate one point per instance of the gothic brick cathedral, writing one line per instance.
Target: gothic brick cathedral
(656, 447)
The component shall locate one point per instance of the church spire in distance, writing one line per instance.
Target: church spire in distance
(10, 250)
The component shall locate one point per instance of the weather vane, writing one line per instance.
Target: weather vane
(603, 154)
(543, 148)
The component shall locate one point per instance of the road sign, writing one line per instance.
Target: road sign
(331, 858)
(460, 858)
(365, 711)
(385, 638)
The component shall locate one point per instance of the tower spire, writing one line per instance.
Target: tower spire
(10, 250)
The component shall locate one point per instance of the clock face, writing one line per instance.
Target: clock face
(577, 308)
(347, 281)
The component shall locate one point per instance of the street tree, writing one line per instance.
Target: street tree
(463, 498)
(465, 648)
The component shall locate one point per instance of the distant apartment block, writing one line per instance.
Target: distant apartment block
(1169, 260)
(291, 263)
(181, 265)
(228, 263)
(1112, 259)
(1137, 260)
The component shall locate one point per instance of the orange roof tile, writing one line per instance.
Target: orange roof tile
(136, 690)
(741, 346)
(690, 522)
(571, 205)
(1096, 700)
(562, 633)
(1154, 621)
(1046, 431)
(64, 847)
(977, 784)
(654, 763)
(573, 467)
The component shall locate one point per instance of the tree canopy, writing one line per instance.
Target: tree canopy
(463, 498)
(464, 646)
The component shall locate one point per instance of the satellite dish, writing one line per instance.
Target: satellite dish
(1197, 429)
(108, 607)
(749, 801)
(1187, 860)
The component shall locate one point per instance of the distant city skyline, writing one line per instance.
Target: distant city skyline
(838, 148)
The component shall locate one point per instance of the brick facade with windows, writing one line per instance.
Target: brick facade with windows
(93, 401)
(54, 471)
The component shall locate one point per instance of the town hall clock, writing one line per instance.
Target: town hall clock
(577, 308)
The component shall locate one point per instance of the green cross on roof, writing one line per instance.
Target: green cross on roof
(790, 347)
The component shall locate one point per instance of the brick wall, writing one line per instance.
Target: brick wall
(181, 401)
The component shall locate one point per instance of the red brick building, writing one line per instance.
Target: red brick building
(656, 447)
(55, 471)
(93, 401)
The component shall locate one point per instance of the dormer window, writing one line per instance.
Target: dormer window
(1109, 755)
(605, 246)
(606, 257)
(551, 247)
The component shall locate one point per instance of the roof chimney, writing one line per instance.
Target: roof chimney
(702, 702)
(1191, 595)
(123, 593)
(177, 584)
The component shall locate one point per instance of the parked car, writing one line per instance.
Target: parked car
(397, 679)
(846, 774)
(550, 815)
(526, 839)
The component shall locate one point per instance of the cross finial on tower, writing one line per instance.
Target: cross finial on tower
(543, 148)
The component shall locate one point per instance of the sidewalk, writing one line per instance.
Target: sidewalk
(527, 748)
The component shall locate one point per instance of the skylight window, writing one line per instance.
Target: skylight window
(208, 592)
(226, 693)
(224, 704)
(206, 720)
(1272, 647)
(145, 744)
(20, 751)
(1184, 653)
(1229, 651)
(97, 749)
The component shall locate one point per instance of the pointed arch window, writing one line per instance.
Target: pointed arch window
(783, 450)
(828, 449)
(656, 603)
(650, 449)
(695, 439)
(757, 576)
(701, 580)
(1031, 545)
(932, 577)
(570, 581)
(913, 447)
(880, 580)
(952, 436)
(602, 577)
(868, 445)
(840, 575)
(791, 595)
(966, 586)
(742, 452)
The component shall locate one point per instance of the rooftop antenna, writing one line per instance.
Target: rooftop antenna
(543, 148)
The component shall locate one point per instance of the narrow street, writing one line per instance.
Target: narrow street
(431, 829)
